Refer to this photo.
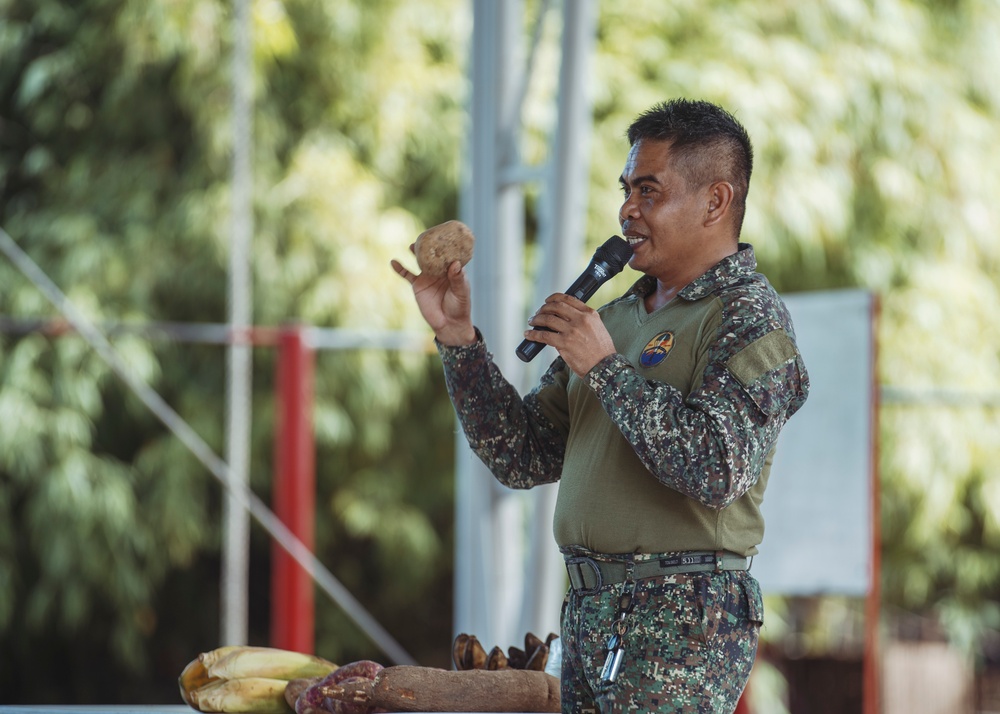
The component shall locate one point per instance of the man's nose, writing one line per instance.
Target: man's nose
(628, 210)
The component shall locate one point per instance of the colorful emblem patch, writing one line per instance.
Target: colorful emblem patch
(656, 349)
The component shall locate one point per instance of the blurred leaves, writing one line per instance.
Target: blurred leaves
(115, 136)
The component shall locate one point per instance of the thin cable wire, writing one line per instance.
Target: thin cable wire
(190, 438)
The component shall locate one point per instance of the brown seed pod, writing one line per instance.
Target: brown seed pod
(531, 643)
(475, 655)
(458, 649)
(538, 659)
(496, 659)
(516, 658)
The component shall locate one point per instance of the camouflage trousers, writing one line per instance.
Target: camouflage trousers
(689, 644)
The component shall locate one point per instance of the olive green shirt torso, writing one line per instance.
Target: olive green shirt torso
(608, 501)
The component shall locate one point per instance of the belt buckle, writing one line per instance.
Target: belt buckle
(578, 562)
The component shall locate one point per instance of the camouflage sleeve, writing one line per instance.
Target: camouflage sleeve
(516, 438)
(711, 445)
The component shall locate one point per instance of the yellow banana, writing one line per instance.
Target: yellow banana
(269, 663)
(250, 695)
(209, 658)
(192, 677)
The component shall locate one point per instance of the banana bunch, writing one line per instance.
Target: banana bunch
(468, 653)
(246, 680)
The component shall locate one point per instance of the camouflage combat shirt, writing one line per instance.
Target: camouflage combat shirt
(666, 445)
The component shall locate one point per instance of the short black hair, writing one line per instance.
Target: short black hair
(707, 143)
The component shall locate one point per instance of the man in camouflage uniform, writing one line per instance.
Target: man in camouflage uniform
(659, 418)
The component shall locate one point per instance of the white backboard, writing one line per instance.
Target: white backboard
(817, 507)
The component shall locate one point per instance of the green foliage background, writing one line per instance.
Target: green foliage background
(875, 126)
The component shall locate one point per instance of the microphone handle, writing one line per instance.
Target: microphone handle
(585, 286)
(529, 349)
(583, 289)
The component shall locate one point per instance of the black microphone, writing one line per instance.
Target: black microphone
(607, 262)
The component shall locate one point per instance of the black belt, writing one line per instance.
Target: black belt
(590, 574)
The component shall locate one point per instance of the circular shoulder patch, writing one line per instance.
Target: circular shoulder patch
(656, 349)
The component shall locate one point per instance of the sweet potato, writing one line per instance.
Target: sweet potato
(297, 687)
(314, 699)
(362, 668)
(410, 688)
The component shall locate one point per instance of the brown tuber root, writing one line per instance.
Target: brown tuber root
(409, 688)
(440, 246)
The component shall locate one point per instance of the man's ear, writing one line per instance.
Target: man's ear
(720, 198)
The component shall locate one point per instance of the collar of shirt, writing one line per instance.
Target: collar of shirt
(728, 270)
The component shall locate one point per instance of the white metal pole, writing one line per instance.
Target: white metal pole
(508, 574)
(473, 558)
(565, 206)
(236, 520)
(488, 517)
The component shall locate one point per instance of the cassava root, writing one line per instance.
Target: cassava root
(411, 688)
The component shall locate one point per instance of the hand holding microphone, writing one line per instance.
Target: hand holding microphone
(608, 261)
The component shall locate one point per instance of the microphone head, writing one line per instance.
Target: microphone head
(616, 252)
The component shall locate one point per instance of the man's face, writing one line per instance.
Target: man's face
(661, 216)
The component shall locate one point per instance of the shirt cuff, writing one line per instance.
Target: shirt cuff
(605, 371)
(452, 355)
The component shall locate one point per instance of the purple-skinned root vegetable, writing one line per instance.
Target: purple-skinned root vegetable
(297, 686)
(316, 700)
